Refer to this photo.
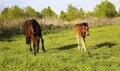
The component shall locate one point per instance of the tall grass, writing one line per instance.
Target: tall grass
(9, 28)
(95, 22)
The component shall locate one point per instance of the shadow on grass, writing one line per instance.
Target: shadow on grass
(6, 34)
(67, 47)
(4, 49)
(108, 44)
(6, 38)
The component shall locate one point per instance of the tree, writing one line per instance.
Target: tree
(88, 14)
(63, 15)
(48, 13)
(105, 9)
(30, 12)
(118, 13)
(72, 13)
(15, 12)
(81, 13)
(12, 13)
(4, 13)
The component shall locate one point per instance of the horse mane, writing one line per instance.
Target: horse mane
(84, 24)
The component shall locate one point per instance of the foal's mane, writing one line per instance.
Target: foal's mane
(84, 24)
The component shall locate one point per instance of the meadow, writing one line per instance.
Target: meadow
(103, 51)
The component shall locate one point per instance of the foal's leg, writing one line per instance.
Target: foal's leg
(78, 40)
(83, 44)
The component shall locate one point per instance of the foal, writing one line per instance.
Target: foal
(81, 31)
(33, 33)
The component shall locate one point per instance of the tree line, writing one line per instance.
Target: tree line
(103, 10)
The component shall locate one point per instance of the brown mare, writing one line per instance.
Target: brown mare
(33, 33)
(81, 31)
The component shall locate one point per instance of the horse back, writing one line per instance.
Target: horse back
(77, 28)
(32, 27)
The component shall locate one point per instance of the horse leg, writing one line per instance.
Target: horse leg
(30, 48)
(42, 41)
(28, 41)
(78, 40)
(34, 48)
(37, 43)
(83, 44)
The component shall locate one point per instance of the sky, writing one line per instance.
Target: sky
(56, 5)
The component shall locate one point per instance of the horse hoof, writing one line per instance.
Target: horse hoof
(44, 51)
(34, 53)
(83, 50)
(30, 52)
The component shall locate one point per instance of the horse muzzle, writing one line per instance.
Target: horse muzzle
(88, 34)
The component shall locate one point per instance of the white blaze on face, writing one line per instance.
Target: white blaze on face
(43, 19)
(87, 30)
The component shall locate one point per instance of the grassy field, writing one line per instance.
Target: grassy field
(103, 52)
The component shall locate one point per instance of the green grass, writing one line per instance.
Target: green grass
(103, 52)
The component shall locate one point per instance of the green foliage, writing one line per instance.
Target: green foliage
(63, 15)
(4, 13)
(72, 13)
(118, 13)
(62, 53)
(14, 12)
(102, 10)
(89, 14)
(81, 13)
(48, 13)
(30, 12)
(105, 9)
